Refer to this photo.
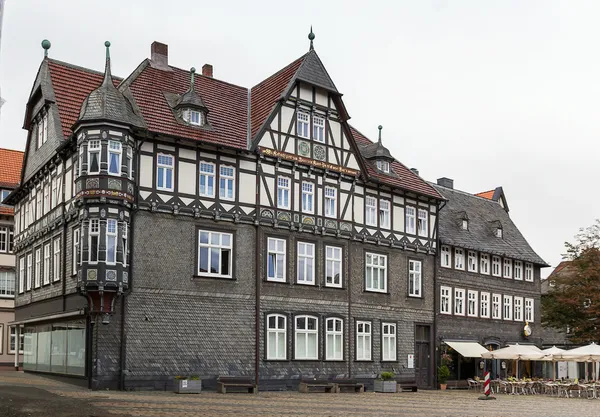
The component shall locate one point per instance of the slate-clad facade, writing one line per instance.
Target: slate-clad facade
(181, 225)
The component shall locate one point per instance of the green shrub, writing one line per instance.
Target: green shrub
(386, 376)
(443, 374)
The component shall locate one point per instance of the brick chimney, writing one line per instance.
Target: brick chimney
(207, 70)
(159, 56)
(445, 182)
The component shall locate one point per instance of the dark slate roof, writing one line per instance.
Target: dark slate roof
(313, 71)
(483, 215)
(376, 150)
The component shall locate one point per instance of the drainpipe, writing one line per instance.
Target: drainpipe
(257, 283)
(435, 294)
(17, 346)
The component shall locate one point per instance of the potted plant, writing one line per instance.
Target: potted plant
(188, 384)
(385, 383)
(443, 375)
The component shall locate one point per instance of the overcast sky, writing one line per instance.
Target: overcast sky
(488, 93)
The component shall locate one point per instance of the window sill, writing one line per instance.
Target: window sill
(415, 297)
(335, 287)
(214, 277)
(275, 360)
(275, 281)
(308, 284)
(376, 292)
(334, 360)
(307, 360)
(364, 360)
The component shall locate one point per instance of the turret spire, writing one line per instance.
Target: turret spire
(107, 74)
(379, 127)
(311, 37)
(192, 75)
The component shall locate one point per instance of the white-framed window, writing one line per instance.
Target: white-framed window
(42, 130)
(415, 282)
(409, 225)
(27, 217)
(496, 307)
(507, 268)
(484, 263)
(39, 208)
(3, 239)
(507, 307)
(226, 183)
(465, 224)
(165, 166)
(529, 272)
(446, 261)
(333, 266)
(115, 151)
(7, 284)
(307, 197)
(124, 237)
(472, 261)
(484, 308)
(306, 338)
(529, 310)
(21, 275)
(4, 194)
(370, 211)
(445, 300)
(518, 270)
(76, 245)
(375, 272)
(388, 342)
(319, 129)
(306, 263)
(214, 254)
(334, 339)
(47, 263)
(37, 281)
(129, 162)
(194, 117)
(496, 266)
(383, 166)
(518, 304)
(459, 258)
(56, 260)
(29, 275)
(94, 237)
(330, 202)
(12, 344)
(283, 193)
(276, 337)
(459, 302)
(207, 179)
(303, 124)
(472, 303)
(94, 156)
(363, 340)
(276, 259)
(423, 223)
(499, 232)
(384, 214)
(111, 241)
(46, 198)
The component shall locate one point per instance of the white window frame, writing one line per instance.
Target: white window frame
(303, 124)
(37, 282)
(383, 166)
(94, 232)
(115, 148)
(277, 331)
(484, 263)
(308, 197)
(46, 198)
(94, 147)
(529, 310)
(518, 270)
(484, 308)
(459, 302)
(497, 307)
(445, 300)
(528, 272)
(111, 234)
(385, 214)
(39, 212)
(459, 259)
(194, 117)
(378, 267)
(208, 175)
(165, 168)
(124, 237)
(423, 222)
(446, 257)
(13, 336)
(496, 266)
(499, 232)
(330, 194)
(389, 350)
(56, 275)
(319, 129)
(472, 261)
(415, 278)
(333, 263)
(4, 244)
(363, 340)
(47, 250)
(76, 246)
(226, 182)
(283, 193)
(29, 274)
(334, 338)
(410, 221)
(219, 246)
(472, 303)
(371, 211)
(303, 268)
(274, 251)
(507, 268)
(22, 275)
(507, 304)
(306, 331)
(518, 309)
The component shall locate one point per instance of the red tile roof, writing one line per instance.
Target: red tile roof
(7, 210)
(486, 194)
(11, 163)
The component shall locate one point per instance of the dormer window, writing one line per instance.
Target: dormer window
(194, 117)
(465, 224)
(499, 232)
(383, 166)
(42, 131)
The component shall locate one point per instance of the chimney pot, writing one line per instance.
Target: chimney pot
(415, 171)
(207, 70)
(446, 182)
(159, 56)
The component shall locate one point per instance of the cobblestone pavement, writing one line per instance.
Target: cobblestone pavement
(422, 403)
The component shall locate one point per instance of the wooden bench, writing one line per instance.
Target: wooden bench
(306, 385)
(348, 385)
(237, 382)
(404, 384)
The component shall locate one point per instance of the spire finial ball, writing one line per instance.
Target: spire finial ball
(311, 35)
(46, 44)
(379, 127)
(107, 44)
(192, 69)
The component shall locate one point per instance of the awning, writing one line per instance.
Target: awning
(467, 349)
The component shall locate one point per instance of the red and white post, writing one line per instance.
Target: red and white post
(486, 388)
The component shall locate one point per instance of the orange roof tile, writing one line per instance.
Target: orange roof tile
(486, 194)
(6, 210)
(11, 162)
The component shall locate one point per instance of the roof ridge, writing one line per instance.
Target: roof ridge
(464, 192)
(78, 67)
(281, 70)
(210, 78)
(11, 150)
(486, 191)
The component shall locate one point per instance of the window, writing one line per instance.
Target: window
(164, 172)
(76, 243)
(38, 268)
(496, 266)
(275, 259)
(414, 278)
(94, 157)
(370, 211)
(207, 179)
(3, 239)
(472, 303)
(11, 240)
(94, 237)
(383, 166)
(388, 342)
(47, 263)
(333, 266)
(384, 214)
(194, 117)
(111, 241)
(409, 226)
(56, 260)
(376, 272)
(319, 129)
(484, 263)
(214, 254)
(459, 301)
(307, 338)
(518, 309)
(459, 258)
(528, 272)
(507, 307)
(276, 337)
(465, 224)
(39, 210)
(445, 300)
(496, 306)
(529, 310)
(42, 132)
(472, 261)
(302, 125)
(27, 218)
(422, 224)
(363, 341)
(46, 198)
(29, 275)
(330, 202)
(307, 197)
(125, 247)
(114, 157)
(499, 232)
(446, 257)
(334, 339)
(13, 340)
(306, 265)
(518, 270)
(21, 275)
(3, 194)
(283, 193)
(7, 283)
(484, 308)
(226, 183)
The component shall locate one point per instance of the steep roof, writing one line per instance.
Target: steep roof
(486, 194)
(484, 215)
(11, 162)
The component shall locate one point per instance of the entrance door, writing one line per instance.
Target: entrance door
(423, 355)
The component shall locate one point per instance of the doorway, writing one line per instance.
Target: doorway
(423, 355)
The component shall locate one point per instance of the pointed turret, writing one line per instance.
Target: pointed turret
(377, 151)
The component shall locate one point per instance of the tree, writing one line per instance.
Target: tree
(573, 301)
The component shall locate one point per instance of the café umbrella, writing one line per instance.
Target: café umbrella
(514, 352)
(588, 353)
(547, 355)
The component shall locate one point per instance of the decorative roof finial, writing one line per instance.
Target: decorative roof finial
(107, 74)
(193, 72)
(311, 36)
(379, 127)
(46, 45)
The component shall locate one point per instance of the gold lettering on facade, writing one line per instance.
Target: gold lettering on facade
(307, 161)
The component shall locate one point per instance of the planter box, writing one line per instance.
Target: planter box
(188, 386)
(385, 386)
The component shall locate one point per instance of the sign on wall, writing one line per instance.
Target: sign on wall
(411, 361)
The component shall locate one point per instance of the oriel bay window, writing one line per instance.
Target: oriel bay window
(114, 157)
(276, 260)
(388, 342)
(414, 278)
(207, 179)
(306, 345)
(214, 254)
(164, 172)
(111, 241)
(363, 340)
(306, 263)
(375, 272)
(94, 157)
(276, 337)
(333, 266)
(94, 237)
(334, 339)
(226, 182)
